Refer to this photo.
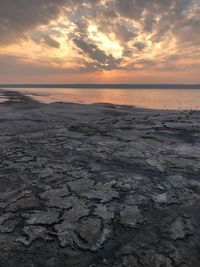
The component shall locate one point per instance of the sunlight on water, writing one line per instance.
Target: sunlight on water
(147, 98)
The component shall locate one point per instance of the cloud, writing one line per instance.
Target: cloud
(99, 57)
(147, 32)
(15, 65)
(50, 41)
(129, 9)
(149, 22)
(18, 17)
(140, 45)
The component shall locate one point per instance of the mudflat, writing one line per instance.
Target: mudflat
(98, 185)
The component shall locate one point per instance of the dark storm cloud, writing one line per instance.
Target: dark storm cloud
(19, 16)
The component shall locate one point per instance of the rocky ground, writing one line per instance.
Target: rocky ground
(98, 185)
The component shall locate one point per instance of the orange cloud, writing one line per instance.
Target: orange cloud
(100, 41)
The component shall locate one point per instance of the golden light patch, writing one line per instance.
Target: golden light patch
(104, 43)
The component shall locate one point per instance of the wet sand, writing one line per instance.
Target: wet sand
(98, 185)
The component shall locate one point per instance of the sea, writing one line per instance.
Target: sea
(159, 98)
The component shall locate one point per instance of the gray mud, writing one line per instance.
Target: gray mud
(98, 185)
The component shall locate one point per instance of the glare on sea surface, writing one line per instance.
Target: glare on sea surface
(145, 98)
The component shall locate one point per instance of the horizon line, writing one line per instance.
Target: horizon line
(104, 85)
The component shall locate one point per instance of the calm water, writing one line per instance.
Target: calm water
(148, 98)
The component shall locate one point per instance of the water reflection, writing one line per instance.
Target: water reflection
(148, 98)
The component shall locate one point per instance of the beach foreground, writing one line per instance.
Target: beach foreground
(98, 185)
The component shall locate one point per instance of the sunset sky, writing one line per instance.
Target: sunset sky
(99, 41)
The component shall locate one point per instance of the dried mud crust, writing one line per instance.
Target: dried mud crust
(98, 185)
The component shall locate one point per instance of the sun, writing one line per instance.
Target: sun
(104, 43)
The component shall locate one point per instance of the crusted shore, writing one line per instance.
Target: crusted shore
(98, 185)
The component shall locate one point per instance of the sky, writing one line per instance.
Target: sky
(100, 41)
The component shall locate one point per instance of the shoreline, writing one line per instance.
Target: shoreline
(98, 185)
(10, 95)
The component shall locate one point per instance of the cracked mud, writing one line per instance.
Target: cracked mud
(98, 185)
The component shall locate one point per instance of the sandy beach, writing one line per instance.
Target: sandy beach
(98, 185)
